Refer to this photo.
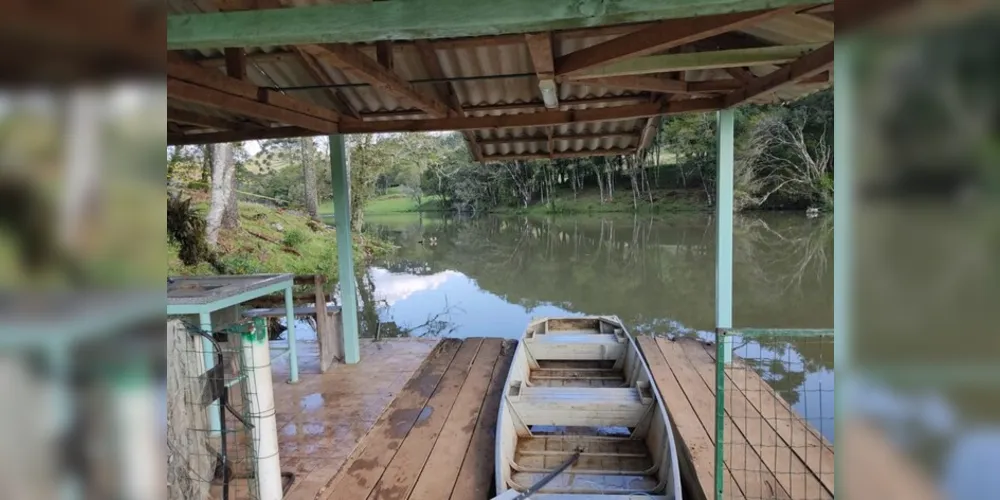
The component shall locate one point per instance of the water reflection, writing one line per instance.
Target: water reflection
(490, 276)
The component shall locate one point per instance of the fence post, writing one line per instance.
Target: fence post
(340, 171)
(724, 230)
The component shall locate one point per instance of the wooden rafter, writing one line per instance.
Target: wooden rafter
(414, 19)
(809, 65)
(646, 83)
(236, 63)
(214, 98)
(742, 74)
(238, 135)
(688, 61)
(198, 120)
(182, 70)
(540, 50)
(447, 92)
(539, 119)
(317, 72)
(517, 106)
(659, 37)
(367, 69)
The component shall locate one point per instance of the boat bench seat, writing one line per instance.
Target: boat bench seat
(575, 346)
(581, 406)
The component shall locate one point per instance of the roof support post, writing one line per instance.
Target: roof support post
(341, 177)
(724, 229)
(843, 205)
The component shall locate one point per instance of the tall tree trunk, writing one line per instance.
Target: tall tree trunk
(600, 183)
(207, 153)
(307, 148)
(222, 212)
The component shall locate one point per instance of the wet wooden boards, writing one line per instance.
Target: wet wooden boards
(435, 440)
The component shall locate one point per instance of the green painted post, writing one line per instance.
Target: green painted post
(417, 19)
(843, 205)
(720, 410)
(340, 171)
(724, 231)
(293, 360)
(208, 353)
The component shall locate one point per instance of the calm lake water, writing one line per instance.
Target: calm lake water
(489, 276)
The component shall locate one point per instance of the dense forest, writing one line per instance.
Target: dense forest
(784, 160)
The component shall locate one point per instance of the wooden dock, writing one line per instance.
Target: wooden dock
(771, 452)
(436, 438)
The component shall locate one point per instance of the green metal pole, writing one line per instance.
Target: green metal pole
(340, 171)
(843, 205)
(724, 230)
(720, 410)
(208, 353)
(293, 360)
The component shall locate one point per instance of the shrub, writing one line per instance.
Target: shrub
(293, 238)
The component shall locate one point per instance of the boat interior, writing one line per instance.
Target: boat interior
(579, 384)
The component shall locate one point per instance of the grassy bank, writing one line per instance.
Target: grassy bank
(589, 201)
(586, 201)
(273, 240)
(393, 202)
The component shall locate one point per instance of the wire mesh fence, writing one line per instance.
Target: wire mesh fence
(775, 414)
(211, 446)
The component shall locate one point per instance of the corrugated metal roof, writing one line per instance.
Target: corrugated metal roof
(467, 61)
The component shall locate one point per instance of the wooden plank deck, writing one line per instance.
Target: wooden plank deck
(771, 452)
(443, 422)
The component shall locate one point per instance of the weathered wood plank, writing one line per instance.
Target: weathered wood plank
(695, 447)
(540, 50)
(689, 61)
(415, 19)
(476, 474)
(811, 64)
(659, 37)
(647, 83)
(185, 91)
(236, 63)
(181, 69)
(402, 472)
(810, 447)
(445, 461)
(365, 68)
(544, 118)
(379, 446)
(758, 439)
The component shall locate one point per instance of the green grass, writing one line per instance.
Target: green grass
(257, 246)
(392, 202)
(589, 201)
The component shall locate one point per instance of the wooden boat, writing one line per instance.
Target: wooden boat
(580, 384)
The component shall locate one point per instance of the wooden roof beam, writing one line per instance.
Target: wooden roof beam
(238, 136)
(540, 49)
(182, 70)
(659, 37)
(415, 19)
(644, 83)
(516, 106)
(539, 119)
(367, 69)
(645, 65)
(198, 120)
(807, 66)
(206, 96)
(318, 73)
(447, 91)
(236, 63)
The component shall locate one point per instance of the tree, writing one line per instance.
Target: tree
(308, 153)
(223, 212)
